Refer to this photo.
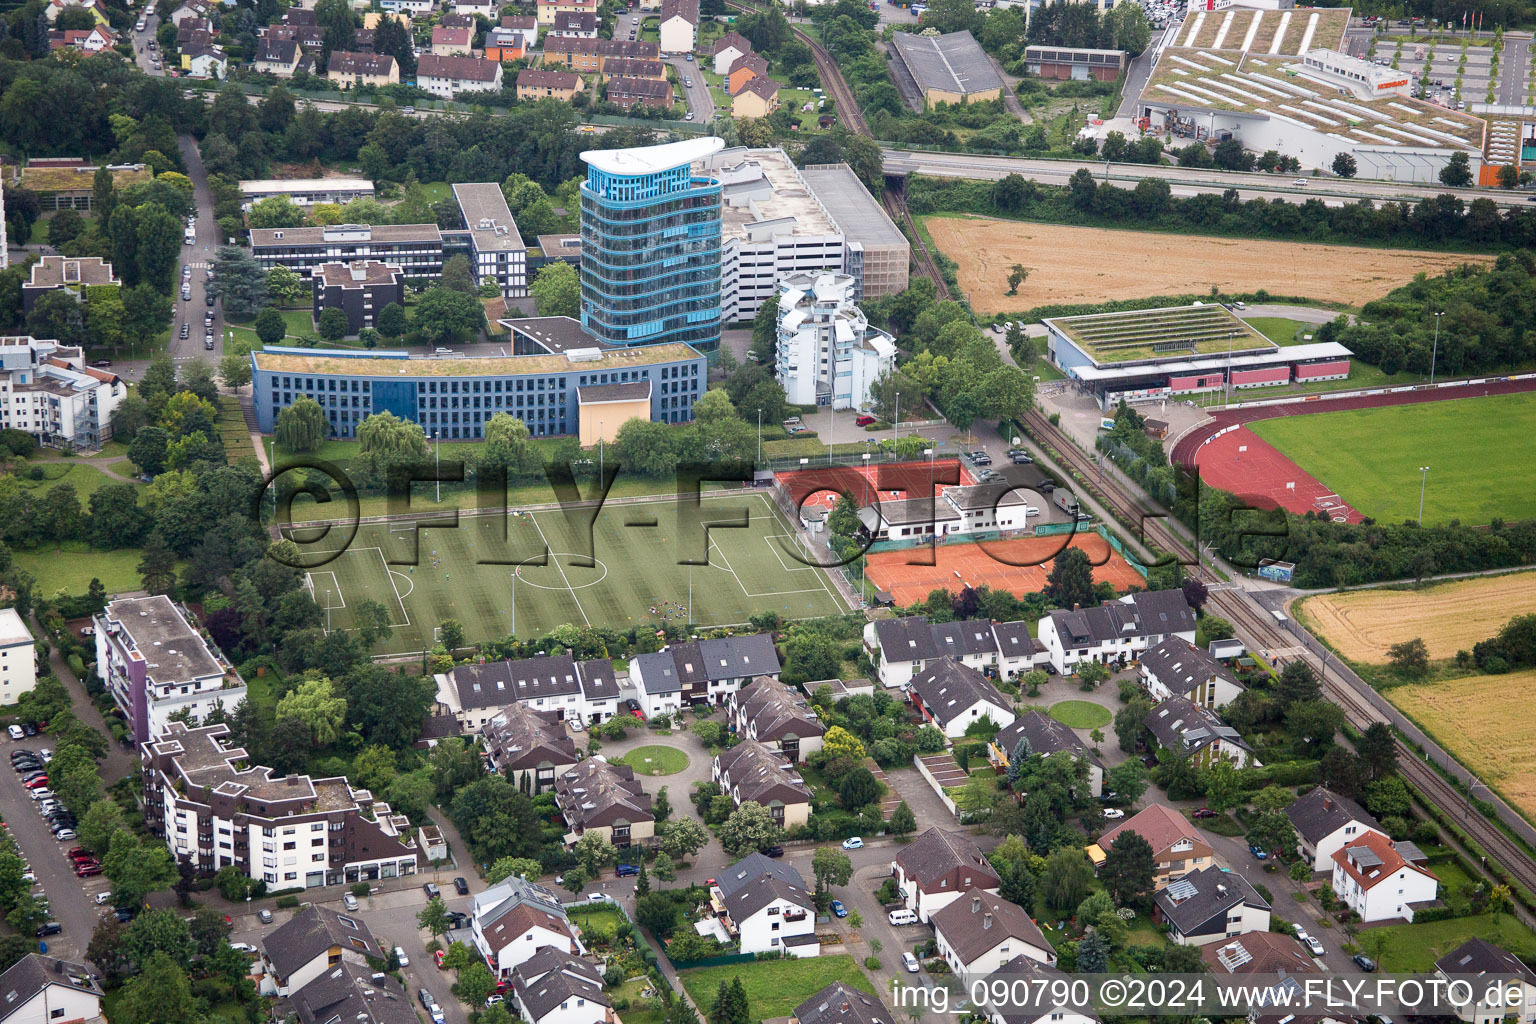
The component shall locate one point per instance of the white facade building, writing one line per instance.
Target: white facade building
(47, 390)
(828, 354)
(41, 989)
(18, 657)
(1381, 880)
(512, 921)
(496, 251)
(1115, 630)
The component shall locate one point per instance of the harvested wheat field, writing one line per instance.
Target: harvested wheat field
(1449, 617)
(1485, 721)
(1069, 264)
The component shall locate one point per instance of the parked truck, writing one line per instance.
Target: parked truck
(1066, 501)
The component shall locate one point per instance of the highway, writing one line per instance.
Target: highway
(1186, 180)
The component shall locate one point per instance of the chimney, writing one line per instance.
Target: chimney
(1076, 607)
(975, 904)
(1327, 803)
(359, 270)
(986, 921)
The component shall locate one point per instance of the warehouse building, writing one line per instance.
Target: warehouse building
(307, 191)
(1152, 354)
(950, 68)
(1074, 63)
(452, 398)
(876, 253)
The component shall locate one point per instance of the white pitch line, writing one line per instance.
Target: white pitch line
(389, 574)
(556, 559)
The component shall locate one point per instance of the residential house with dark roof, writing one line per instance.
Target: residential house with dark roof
(554, 987)
(981, 931)
(358, 995)
(900, 648)
(451, 40)
(1382, 880)
(450, 76)
(934, 869)
(40, 989)
(348, 68)
(514, 920)
(278, 57)
(841, 1003)
(634, 67)
(1017, 649)
(752, 773)
(590, 55)
(1197, 733)
(701, 671)
(903, 647)
(745, 68)
(1178, 847)
(679, 25)
(577, 24)
(599, 796)
(1176, 668)
(531, 748)
(1475, 962)
(645, 92)
(778, 716)
(1265, 954)
(1044, 736)
(311, 943)
(971, 642)
(727, 49)
(954, 697)
(1115, 631)
(89, 41)
(766, 906)
(1208, 906)
(758, 98)
(1040, 978)
(536, 83)
(1324, 822)
(475, 694)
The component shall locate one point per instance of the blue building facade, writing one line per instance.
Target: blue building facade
(453, 398)
(650, 258)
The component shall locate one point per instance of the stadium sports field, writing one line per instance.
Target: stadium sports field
(1477, 451)
(636, 572)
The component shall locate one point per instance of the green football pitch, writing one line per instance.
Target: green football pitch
(1477, 451)
(621, 565)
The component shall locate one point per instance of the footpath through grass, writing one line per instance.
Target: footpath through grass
(775, 987)
(1476, 448)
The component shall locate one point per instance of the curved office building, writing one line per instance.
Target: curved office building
(650, 257)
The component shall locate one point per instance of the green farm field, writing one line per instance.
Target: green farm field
(1475, 449)
(637, 571)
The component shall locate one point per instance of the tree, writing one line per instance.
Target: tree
(1066, 879)
(1017, 274)
(1376, 752)
(235, 370)
(1298, 684)
(136, 868)
(59, 316)
(1508, 176)
(1212, 627)
(158, 994)
(316, 703)
(286, 287)
(1070, 583)
(1409, 658)
(750, 827)
(157, 566)
(392, 321)
(595, 852)
(903, 822)
(238, 281)
(656, 913)
(858, 788)
(333, 323)
(434, 917)
(1092, 953)
(839, 742)
(1223, 787)
(682, 837)
(1127, 780)
(557, 290)
(450, 634)
(1314, 722)
(270, 326)
(1272, 831)
(493, 817)
(1344, 165)
(457, 274)
(1458, 172)
(1131, 723)
(159, 245)
(476, 982)
(275, 212)
(575, 879)
(831, 866)
(100, 822)
(443, 314)
(302, 426)
(209, 930)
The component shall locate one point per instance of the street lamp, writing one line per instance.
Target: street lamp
(1434, 352)
(759, 437)
(896, 424)
(437, 453)
(1423, 482)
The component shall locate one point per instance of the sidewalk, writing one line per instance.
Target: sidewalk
(119, 760)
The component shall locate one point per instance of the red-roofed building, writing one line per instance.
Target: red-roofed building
(1381, 880)
(88, 41)
(1178, 848)
(447, 42)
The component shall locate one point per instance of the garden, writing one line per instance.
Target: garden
(775, 987)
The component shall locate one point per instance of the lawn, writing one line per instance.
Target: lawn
(1280, 330)
(72, 572)
(84, 477)
(298, 323)
(1476, 450)
(1081, 714)
(597, 922)
(641, 1009)
(775, 987)
(656, 760)
(1406, 948)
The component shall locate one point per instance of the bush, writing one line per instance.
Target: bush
(287, 902)
(872, 963)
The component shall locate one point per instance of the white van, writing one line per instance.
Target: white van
(903, 916)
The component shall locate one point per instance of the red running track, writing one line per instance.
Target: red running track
(1263, 471)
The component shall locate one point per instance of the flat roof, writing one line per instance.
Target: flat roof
(79, 179)
(556, 333)
(172, 650)
(58, 271)
(12, 629)
(651, 159)
(566, 245)
(1277, 32)
(1289, 354)
(375, 233)
(1281, 88)
(283, 186)
(488, 217)
(857, 213)
(346, 275)
(1163, 333)
(339, 364)
(762, 185)
(954, 62)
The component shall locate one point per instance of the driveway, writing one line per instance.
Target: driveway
(199, 256)
(701, 102)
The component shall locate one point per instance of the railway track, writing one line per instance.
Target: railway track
(1260, 630)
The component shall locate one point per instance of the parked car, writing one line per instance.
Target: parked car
(87, 870)
(49, 928)
(1020, 457)
(1364, 962)
(1257, 852)
(1113, 813)
(774, 851)
(1315, 946)
(461, 887)
(349, 901)
(839, 909)
(264, 916)
(401, 958)
(909, 962)
(625, 870)
(1205, 812)
(64, 835)
(457, 919)
(979, 458)
(123, 914)
(22, 752)
(853, 843)
(16, 733)
(45, 753)
(244, 947)
(864, 421)
(437, 957)
(432, 890)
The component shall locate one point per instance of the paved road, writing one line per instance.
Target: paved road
(1514, 70)
(142, 54)
(701, 102)
(1183, 180)
(199, 256)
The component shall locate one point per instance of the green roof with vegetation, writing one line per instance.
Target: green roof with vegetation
(1110, 338)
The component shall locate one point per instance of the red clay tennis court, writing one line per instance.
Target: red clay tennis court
(1242, 462)
(822, 486)
(1000, 564)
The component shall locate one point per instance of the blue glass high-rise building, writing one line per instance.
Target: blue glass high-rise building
(650, 246)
